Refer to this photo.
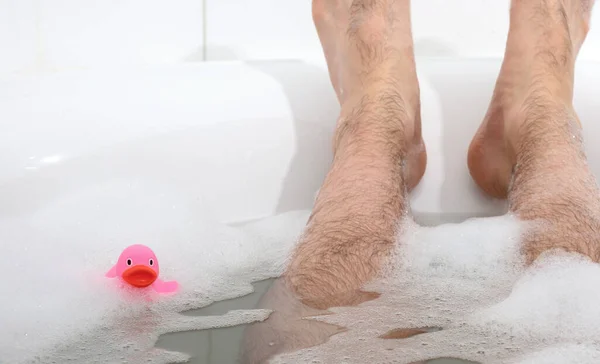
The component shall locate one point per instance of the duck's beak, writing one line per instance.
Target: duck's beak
(140, 276)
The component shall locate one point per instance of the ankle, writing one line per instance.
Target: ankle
(541, 121)
(379, 115)
(394, 73)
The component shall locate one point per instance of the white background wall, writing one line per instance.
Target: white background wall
(49, 35)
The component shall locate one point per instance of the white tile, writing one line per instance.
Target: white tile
(51, 34)
(591, 47)
(460, 27)
(82, 33)
(260, 29)
(17, 34)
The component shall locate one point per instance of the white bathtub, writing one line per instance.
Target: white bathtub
(248, 139)
(256, 135)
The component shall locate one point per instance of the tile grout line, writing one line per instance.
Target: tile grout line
(204, 30)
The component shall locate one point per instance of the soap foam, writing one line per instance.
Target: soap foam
(467, 279)
(557, 299)
(565, 354)
(470, 280)
(58, 307)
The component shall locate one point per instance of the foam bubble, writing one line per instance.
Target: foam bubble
(476, 248)
(557, 299)
(57, 306)
(563, 354)
(468, 282)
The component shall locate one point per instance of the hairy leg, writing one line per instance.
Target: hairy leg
(529, 147)
(379, 152)
(378, 157)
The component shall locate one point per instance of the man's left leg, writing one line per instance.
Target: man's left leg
(379, 152)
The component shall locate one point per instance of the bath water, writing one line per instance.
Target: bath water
(466, 280)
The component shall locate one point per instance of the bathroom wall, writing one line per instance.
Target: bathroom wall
(50, 35)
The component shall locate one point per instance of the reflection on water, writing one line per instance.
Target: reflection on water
(406, 333)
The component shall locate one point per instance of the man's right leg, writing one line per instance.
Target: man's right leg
(529, 147)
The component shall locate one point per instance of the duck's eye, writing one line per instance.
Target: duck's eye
(151, 261)
(129, 261)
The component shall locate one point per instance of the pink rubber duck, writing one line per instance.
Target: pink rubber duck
(138, 266)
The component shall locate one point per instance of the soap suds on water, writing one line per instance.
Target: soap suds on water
(569, 353)
(58, 307)
(467, 279)
(470, 280)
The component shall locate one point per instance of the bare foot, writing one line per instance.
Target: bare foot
(530, 147)
(537, 71)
